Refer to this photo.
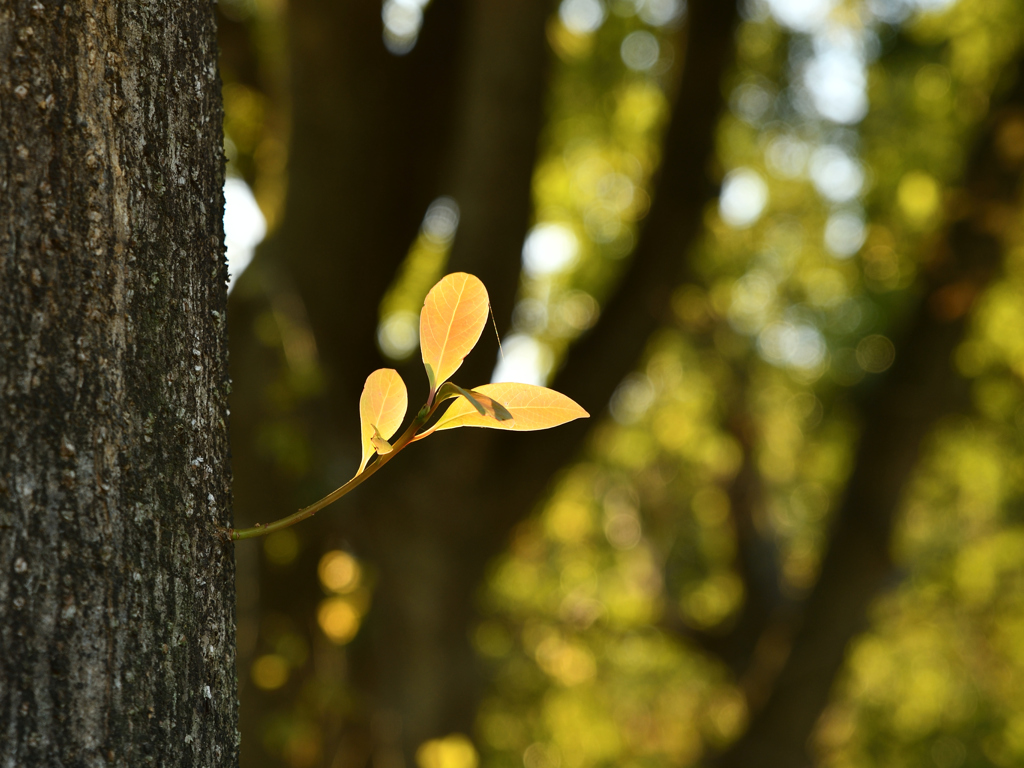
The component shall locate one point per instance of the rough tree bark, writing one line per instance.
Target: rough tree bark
(116, 594)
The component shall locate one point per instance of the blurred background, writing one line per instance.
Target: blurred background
(776, 249)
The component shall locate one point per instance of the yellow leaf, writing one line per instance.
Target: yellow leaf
(531, 407)
(382, 408)
(380, 445)
(452, 319)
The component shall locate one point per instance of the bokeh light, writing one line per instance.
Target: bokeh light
(549, 248)
(270, 672)
(582, 16)
(640, 51)
(339, 619)
(454, 751)
(339, 572)
(524, 359)
(744, 197)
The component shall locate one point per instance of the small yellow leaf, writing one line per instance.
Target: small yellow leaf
(453, 317)
(531, 407)
(382, 408)
(380, 445)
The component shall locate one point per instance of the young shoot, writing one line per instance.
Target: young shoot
(453, 317)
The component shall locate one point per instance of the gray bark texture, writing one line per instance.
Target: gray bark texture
(116, 593)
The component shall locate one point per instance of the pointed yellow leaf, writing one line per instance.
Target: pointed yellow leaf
(531, 407)
(382, 408)
(453, 316)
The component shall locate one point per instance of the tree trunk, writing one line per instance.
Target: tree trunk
(116, 593)
(445, 512)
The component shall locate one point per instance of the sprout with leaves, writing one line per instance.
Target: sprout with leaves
(453, 317)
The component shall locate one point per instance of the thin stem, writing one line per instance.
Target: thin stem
(407, 437)
(424, 433)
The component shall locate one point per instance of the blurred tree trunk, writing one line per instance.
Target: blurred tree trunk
(368, 133)
(431, 526)
(116, 592)
(448, 511)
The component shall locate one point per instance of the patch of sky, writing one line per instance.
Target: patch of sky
(837, 176)
(890, 11)
(743, 198)
(583, 17)
(801, 15)
(244, 226)
(833, 72)
(836, 76)
(845, 233)
(403, 20)
(525, 360)
(398, 334)
(549, 248)
(640, 51)
(656, 13)
(792, 344)
(441, 221)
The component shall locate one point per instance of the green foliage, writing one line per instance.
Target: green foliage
(650, 520)
(742, 422)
